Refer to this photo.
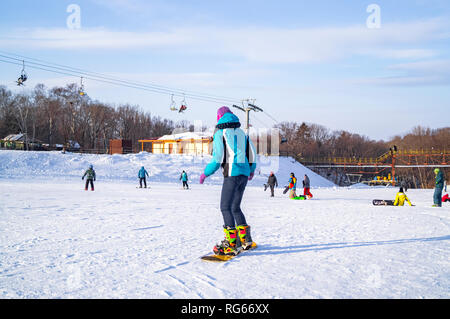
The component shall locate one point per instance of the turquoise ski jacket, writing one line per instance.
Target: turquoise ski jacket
(232, 149)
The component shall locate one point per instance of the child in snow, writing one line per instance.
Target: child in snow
(234, 152)
(90, 173)
(292, 186)
(306, 187)
(142, 177)
(184, 178)
(272, 183)
(401, 198)
(445, 198)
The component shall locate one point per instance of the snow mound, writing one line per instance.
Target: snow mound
(161, 167)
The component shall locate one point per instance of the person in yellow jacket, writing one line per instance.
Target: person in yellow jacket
(401, 198)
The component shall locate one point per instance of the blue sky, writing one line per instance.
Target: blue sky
(302, 60)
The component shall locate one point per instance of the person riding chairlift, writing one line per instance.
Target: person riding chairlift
(23, 77)
(182, 108)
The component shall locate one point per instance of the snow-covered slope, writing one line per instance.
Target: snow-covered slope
(161, 167)
(59, 241)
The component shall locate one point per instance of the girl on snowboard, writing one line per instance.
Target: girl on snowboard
(234, 152)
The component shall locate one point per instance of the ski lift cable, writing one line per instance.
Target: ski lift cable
(71, 69)
(61, 69)
(271, 117)
(109, 82)
(127, 83)
(177, 92)
(115, 83)
(264, 124)
(154, 88)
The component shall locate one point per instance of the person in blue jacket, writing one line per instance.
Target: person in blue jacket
(235, 153)
(142, 177)
(184, 179)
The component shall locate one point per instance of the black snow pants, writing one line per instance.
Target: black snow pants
(142, 179)
(89, 181)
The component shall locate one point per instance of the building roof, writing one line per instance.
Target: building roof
(15, 137)
(185, 136)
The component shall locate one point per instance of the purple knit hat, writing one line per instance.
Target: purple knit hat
(221, 112)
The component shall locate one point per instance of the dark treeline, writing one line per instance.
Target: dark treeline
(311, 141)
(60, 115)
(421, 138)
(316, 141)
(424, 138)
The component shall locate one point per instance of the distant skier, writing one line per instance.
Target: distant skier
(142, 177)
(401, 198)
(439, 186)
(272, 183)
(234, 152)
(292, 186)
(306, 187)
(184, 179)
(90, 174)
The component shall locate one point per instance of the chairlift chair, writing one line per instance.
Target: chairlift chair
(81, 90)
(173, 105)
(23, 76)
(183, 105)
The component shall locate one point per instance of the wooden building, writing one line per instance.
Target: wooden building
(188, 143)
(120, 147)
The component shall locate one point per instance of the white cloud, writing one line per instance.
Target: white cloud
(428, 67)
(423, 80)
(125, 5)
(328, 44)
(92, 38)
(401, 54)
(434, 72)
(267, 45)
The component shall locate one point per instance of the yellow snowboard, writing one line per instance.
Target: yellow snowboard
(225, 258)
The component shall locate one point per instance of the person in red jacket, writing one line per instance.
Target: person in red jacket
(445, 198)
(306, 187)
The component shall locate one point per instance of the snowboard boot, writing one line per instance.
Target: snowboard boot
(245, 237)
(230, 245)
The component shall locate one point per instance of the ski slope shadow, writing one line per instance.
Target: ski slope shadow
(148, 228)
(277, 250)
